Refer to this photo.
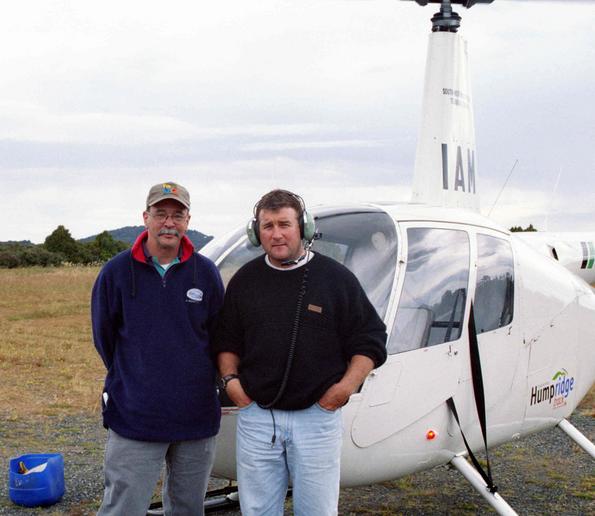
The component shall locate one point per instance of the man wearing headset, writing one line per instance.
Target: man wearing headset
(296, 337)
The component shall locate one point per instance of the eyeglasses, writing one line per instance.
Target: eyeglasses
(161, 217)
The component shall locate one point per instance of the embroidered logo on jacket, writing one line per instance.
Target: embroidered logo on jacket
(315, 308)
(194, 295)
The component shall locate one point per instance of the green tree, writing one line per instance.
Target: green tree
(61, 241)
(18, 255)
(105, 246)
(9, 259)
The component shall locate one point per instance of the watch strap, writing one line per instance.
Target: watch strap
(228, 378)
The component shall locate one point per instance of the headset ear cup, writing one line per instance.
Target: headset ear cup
(309, 227)
(252, 232)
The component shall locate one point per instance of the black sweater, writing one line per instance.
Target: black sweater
(337, 321)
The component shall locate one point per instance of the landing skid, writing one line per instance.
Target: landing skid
(494, 499)
(577, 437)
(215, 500)
(478, 483)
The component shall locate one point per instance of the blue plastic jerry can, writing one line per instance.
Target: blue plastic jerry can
(36, 479)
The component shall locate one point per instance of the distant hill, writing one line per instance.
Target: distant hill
(129, 234)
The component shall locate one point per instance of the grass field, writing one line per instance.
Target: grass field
(50, 370)
(48, 364)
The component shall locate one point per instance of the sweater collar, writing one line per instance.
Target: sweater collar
(309, 256)
(138, 253)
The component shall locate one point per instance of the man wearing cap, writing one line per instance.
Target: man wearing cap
(152, 309)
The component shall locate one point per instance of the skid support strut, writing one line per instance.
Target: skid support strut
(577, 437)
(474, 478)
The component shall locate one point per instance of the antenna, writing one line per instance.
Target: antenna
(551, 207)
(503, 186)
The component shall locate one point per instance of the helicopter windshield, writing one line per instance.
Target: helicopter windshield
(364, 241)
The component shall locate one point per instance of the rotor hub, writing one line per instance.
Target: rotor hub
(446, 20)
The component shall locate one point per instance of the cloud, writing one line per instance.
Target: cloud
(100, 101)
(333, 144)
(547, 211)
(33, 123)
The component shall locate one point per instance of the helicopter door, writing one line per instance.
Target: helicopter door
(424, 363)
(504, 357)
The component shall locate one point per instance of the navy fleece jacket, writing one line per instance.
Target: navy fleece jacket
(153, 335)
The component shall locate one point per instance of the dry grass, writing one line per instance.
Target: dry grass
(48, 363)
(587, 405)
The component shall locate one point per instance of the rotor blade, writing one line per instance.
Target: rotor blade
(470, 3)
(465, 3)
(554, 1)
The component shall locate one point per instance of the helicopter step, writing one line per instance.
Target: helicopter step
(474, 478)
(577, 437)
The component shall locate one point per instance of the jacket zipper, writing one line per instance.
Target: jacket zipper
(163, 280)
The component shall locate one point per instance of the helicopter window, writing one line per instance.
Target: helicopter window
(216, 247)
(432, 303)
(238, 257)
(365, 242)
(494, 292)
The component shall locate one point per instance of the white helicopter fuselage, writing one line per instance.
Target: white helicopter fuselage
(423, 266)
(536, 368)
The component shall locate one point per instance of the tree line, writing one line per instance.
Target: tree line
(58, 248)
(519, 229)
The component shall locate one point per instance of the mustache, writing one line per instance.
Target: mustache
(166, 231)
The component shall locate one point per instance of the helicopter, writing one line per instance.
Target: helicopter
(481, 349)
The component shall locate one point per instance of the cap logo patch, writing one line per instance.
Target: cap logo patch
(194, 295)
(169, 189)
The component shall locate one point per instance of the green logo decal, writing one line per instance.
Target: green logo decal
(556, 392)
(562, 372)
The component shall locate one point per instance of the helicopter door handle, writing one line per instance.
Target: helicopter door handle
(452, 352)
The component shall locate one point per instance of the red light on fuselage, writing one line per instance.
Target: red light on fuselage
(431, 435)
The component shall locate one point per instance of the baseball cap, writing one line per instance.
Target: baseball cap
(168, 190)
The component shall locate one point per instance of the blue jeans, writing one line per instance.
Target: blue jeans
(132, 469)
(306, 452)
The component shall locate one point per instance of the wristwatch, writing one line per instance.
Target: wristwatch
(228, 378)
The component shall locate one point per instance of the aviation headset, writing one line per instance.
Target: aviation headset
(305, 220)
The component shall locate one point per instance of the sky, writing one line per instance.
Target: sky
(101, 100)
